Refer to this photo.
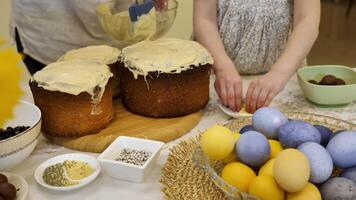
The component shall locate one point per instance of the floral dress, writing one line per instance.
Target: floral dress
(254, 32)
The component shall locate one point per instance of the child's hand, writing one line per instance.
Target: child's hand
(228, 85)
(261, 91)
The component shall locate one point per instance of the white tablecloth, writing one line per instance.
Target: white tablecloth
(106, 188)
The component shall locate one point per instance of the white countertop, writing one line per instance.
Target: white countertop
(107, 188)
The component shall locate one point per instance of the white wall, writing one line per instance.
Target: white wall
(183, 26)
(4, 18)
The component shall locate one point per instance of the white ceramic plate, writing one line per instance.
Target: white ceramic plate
(228, 111)
(59, 159)
(19, 183)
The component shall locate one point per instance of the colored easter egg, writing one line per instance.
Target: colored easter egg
(217, 142)
(253, 148)
(246, 128)
(291, 170)
(321, 164)
(296, 132)
(349, 173)
(342, 149)
(268, 120)
(325, 134)
(267, 168)
(266, 188)
(310, 192)
(238, 175)
(338, 189)
(276, 147)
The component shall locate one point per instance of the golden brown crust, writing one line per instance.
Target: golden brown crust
(165, 95)
(114, 68)
(69, 115)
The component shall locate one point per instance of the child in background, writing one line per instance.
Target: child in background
(270, 37)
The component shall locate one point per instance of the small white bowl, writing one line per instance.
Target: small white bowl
(233, 114)
(125, 171)
(16, 149)
(19, 183)
(60, 159)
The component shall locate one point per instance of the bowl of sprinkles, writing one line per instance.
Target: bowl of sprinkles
(67, 172)
(130, 159)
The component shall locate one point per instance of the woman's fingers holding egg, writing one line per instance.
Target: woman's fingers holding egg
(254, 98)
(249, 93)
(270, 97)
(231, 99)
(262, 97)
(252, 94)
(238, 96)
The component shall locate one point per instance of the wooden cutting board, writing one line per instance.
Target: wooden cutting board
(129, 124)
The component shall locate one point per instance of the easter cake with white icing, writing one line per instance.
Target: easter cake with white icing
(165, 78)
(98, 53)
(75, 97)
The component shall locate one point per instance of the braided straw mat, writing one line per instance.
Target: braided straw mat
(182, 179)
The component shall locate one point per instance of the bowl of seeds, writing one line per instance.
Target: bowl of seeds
(18, 137)
(130, 159)
(67, 172)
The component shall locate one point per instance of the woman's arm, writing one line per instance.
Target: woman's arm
(228, 83)
(305, 31)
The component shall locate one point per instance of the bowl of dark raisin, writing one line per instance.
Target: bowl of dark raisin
(19, 135)
(331, 85)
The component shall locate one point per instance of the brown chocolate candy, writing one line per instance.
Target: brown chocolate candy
(313, 82)
(7, 191)
(3, 178)
(328, 80)
(340, 81)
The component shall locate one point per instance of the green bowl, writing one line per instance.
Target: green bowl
(328, 95)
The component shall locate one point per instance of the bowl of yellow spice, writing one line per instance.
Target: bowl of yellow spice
(67, 172)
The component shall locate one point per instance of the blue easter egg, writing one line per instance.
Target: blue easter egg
(246, 128)
(325, 134)
(339, 131)
(342, 149)
(338, 188)
(321, 164)
(335, 133)
(296, 132)
(349, 173)
(253, 148)
(267, 121)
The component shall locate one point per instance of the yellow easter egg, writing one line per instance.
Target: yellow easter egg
(291, 170)
(310, 192)
(276, 148)
(231, 158)
(267, 168)
(238, 175)
(266, 188)
(236, 136)
(217, 142)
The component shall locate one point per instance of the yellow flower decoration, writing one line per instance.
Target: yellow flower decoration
(10, 77)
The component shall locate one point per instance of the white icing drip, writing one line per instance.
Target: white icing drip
(164, 56)
(75, 77)
(100, 53)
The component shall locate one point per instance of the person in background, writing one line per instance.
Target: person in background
(269, 37)
(44, 30)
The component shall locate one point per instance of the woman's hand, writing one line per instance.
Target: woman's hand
(261, 91)
(228, 85)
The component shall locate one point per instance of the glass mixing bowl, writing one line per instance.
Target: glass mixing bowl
(115, 20)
